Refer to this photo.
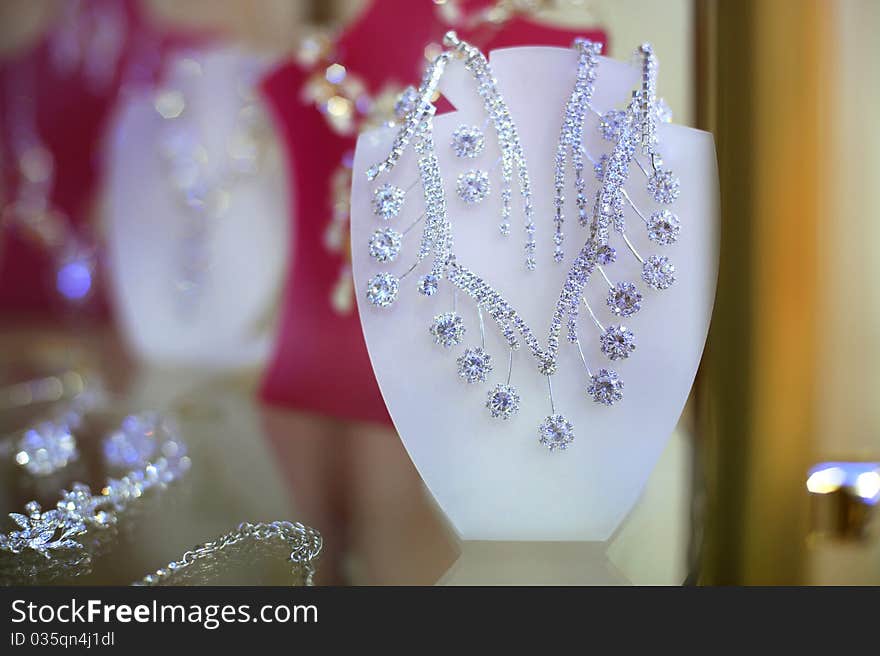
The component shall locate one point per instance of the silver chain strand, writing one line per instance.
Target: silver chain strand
(304, 543)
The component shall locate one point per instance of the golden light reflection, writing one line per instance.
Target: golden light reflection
(339, 106)
(826, 480)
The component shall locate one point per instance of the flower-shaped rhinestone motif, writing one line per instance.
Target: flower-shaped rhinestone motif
(385, 245)
(658, 272)
(473, 186)
(611, 123)
(664, 186)
(617, 342)
(556, 433)
(382, 289)
(42, 532)
(428, 284)
(624, 299)
(474, 365)
(663, 227)
(606, 255)
(605, 387)
(388, 201)
(79, 506)
(503, 401)
(447, 329)
(468, 141)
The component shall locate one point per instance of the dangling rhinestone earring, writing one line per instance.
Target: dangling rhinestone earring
(571, 139)
(513, 159)
(473, 186)
(468, 141)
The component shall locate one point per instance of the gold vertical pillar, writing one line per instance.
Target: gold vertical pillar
(763, 91)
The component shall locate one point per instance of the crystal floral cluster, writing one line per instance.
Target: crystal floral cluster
(149, 443)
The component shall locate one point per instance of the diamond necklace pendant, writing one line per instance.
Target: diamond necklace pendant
(632, 133)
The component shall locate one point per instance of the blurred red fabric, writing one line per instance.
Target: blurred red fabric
(71, 119)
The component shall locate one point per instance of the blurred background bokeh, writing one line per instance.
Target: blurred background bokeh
(135, 132)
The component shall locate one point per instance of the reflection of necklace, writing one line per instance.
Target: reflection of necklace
(203, 181)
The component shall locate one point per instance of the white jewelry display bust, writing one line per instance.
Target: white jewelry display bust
(229, 323)
(492, 478)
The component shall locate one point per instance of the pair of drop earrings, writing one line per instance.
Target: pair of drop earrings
(632, 131)
(472, 187)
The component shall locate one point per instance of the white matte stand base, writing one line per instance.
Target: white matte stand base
(229, 325)
(533, 563)
(492, 478)
(660, 519)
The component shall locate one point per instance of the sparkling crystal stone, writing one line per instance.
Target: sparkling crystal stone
(503, 401)
(617, 342)
(599, 167)
(133, 444)
(547, 366)
(605, 387)
(120, 491)
(658, 272)
(385, 244)
(473, 186)
(388, 201)
(78, 507)
(447, 329)
(468, 141)
(556, 432)
(611, 123)
(663, 227)
(46, 448)
(664, 186)
(406, 103)
(624, 299)
(606, 255)
(382, 289)
(474, 365)
(428, 284)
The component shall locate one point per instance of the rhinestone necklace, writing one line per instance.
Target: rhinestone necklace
(627, 129)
